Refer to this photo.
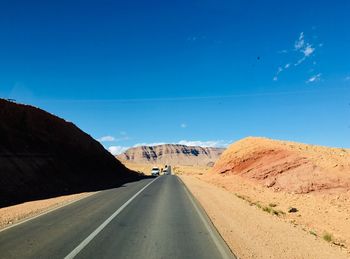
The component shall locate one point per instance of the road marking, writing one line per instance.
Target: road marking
(46, 212)
(87, 240)
(225, 253)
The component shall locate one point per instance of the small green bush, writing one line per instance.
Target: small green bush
(328, 237)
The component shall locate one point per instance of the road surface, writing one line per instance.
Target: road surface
(150, 218)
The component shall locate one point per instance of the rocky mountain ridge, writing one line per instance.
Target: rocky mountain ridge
(174, 154)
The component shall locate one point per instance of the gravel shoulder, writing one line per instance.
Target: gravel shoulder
(20, 212)
(252, 233)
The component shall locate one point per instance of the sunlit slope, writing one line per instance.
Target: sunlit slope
(288, 166)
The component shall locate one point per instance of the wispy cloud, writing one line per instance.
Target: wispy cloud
(106, 139)
(209, 143)
(149, 144)
(314, 78)
(300, 42)
(347, 78)
(304, 48)
(109, 138)
(308, 50)
(279, 71)
(304, 51)
(183, 125)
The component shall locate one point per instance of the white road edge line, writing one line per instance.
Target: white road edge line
(222, 250)
(87, 240)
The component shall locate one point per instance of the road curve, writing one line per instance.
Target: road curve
(144, 219)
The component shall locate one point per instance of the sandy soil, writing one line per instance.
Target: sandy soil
(14, 214)
(253, 233)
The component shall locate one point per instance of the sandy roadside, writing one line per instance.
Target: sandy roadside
(20, 212)
(252, 233)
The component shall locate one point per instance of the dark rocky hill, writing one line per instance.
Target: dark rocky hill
(42, 155)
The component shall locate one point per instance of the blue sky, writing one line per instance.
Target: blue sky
(195, 72)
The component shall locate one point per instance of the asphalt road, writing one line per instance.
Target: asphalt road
(151, 218)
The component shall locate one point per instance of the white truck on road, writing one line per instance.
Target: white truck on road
(167, 170)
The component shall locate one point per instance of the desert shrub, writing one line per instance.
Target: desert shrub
(328, 237)
(267, 209)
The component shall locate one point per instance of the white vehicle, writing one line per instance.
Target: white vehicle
(167, 170)
(155, 171)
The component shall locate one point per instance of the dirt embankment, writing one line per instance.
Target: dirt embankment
(43, 156)
(287, 166)
(254, 233)
(304, 186)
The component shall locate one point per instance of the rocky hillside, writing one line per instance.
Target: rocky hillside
(288, 166)
(172, 154)
(43, 156)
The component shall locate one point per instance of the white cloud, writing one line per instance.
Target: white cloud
(300, 42)
(308, 50)
(149, 144)
(314, 78)
(300, 61)
(106, 139)
(304, 50)
(209, 143)
(303, 47)
(279, 70)
(183, 125)
(116, 150)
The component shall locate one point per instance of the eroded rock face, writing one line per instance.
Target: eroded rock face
(42, 155)
(172, 154)
(287, 166)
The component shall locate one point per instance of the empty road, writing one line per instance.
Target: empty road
(150, 218)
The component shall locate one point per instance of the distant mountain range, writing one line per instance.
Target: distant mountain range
(172, 154)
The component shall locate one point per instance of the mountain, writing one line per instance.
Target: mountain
(42, 155)
(287, 166)
(172, 154)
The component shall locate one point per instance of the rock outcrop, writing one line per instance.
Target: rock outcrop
(172, 154)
